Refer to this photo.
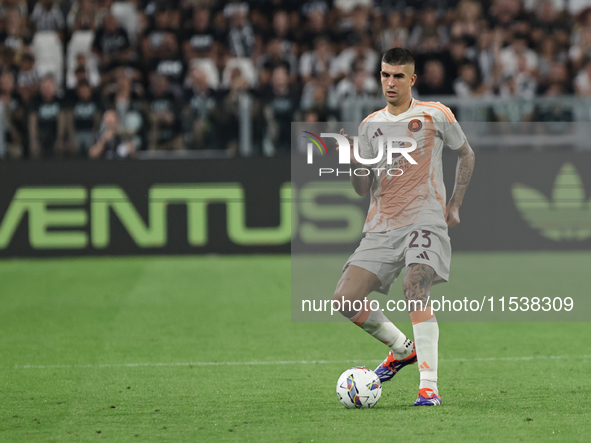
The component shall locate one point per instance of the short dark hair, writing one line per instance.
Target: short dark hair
(398, 56)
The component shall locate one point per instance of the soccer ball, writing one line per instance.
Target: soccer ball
(359, 387)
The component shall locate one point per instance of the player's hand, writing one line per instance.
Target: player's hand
(352, 156)
(453, 214)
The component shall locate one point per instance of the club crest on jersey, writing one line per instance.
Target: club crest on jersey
(415, 125)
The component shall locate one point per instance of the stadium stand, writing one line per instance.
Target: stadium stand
(187, 75)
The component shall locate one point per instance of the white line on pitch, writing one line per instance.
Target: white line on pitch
(297, 362)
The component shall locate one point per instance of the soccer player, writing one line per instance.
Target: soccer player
(407, 221)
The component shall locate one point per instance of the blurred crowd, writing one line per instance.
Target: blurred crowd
(107, 79)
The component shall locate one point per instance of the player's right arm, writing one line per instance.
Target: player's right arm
(361, 183)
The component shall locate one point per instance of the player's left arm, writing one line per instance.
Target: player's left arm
(464, 170)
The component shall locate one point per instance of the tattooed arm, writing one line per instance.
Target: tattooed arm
(463, 175)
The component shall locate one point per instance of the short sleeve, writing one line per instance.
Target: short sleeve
(451, 131)
(365, 149)
(453, 136)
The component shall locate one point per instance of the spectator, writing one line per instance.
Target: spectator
(219, 26)
(483, 55)
(525, 81)
(79, 75)
(110, 42)
(347, 6)
(315, 95)
(127, 63)
(275, 56)
(458, 51)
(358, 84)
(225, 115)
(83, 70)
(103, 8)
(504, 13)
(395, 35)
(126, 97)
(241, 34)
(27, 79)
(200, 40)
(13, 36)
(173, 8)
(469, 83)
(281, 102)
(315, 26)
(110, 145)
(433, 82)
(547, 23)
(19, 6)
(312, 116)
(82, 118)
(431, 49)
(468, 22)
(199, 100)
(124, 93)
(14, 113)
(558, 79)
(583, 80)
(47, 16)
(7, 61)
(160, 25)
(518, 90)
(360, 49)
(312, 6)
(548, 54)
(509, 57)
(359, 21)
(164, 110)
(82, 16)
(168, 62)
(282, 30)
(315, 63)
(46, 122)
(428, 25)
(581, 50)
(555, 112)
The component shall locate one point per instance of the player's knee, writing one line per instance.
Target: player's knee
(341, 294)
(342, 301)
(348, 291)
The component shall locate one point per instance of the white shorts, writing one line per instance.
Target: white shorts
(386, 254)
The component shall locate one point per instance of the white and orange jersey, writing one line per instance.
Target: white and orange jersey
(417, 196)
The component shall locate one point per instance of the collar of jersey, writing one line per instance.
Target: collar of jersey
(402, 115)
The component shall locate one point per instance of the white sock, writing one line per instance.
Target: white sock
(426, 338)
(377, 325)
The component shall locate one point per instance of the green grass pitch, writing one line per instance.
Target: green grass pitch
(189, 349)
